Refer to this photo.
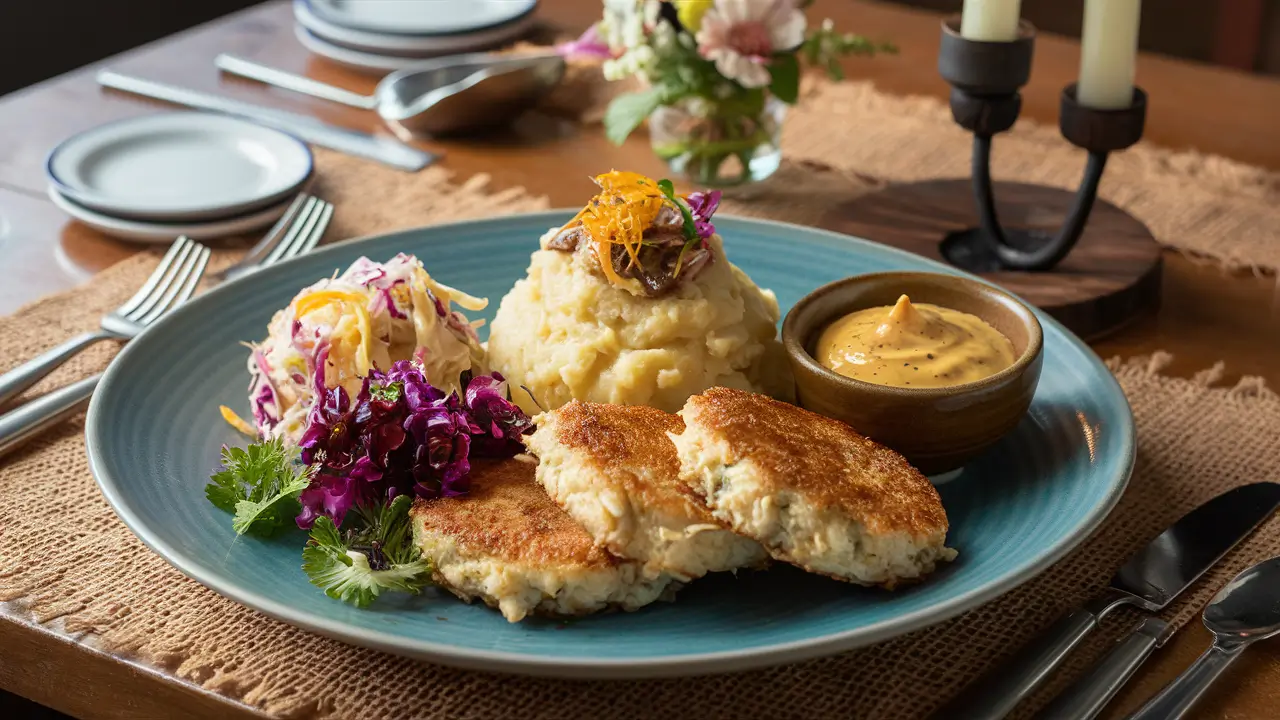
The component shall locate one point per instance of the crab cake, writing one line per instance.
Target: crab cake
(508, 544)
(614, 469)
(814, 492)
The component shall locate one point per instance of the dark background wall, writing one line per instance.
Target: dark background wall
(1173, 27)
(1244, 34)
(43, 38)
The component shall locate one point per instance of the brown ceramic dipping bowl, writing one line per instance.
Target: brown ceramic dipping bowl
(936, 429)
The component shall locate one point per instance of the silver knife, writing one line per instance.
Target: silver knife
(1150, 580)
(353, 142)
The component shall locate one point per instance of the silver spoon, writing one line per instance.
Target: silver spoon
(1245, 611)
(448, 94)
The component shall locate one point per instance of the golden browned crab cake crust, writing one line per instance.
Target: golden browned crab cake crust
(615, 470)
(811, 489)
(508, 544)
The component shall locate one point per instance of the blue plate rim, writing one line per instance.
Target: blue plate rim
(587, 666)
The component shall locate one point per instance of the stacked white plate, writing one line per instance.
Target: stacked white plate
(155, 177)
(381, 36)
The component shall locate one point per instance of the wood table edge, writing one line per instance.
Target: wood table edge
(58, 671)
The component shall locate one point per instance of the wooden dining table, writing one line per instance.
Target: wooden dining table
(1208, 314)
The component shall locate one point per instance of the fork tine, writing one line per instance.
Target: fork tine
(273, 236)
(305, 233)
(317, 233)
(171, 278)
(192, 268)
(297, 231)
(145, 291)
(190, 287)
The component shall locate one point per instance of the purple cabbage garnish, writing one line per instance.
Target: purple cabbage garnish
(703, 205)
(264, 404)
(392, 307)
(501, 422)
(263, 392)
(401, 435)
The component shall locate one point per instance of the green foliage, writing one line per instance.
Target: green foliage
(260, 484)
(360, 564)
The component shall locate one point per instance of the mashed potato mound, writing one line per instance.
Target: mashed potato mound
(565, 333)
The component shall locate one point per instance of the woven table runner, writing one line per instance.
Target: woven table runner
(64, 555)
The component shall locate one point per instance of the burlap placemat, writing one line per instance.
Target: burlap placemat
(64, 554)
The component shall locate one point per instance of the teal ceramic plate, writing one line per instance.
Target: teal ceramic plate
(154, 433)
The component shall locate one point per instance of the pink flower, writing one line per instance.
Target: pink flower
(740, 35)
(588, 45)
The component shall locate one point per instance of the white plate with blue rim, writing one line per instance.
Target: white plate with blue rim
(420, 17)
(178, 167)
(332, 39)
(144, 231)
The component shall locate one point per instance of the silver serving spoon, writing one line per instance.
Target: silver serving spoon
(444, 95)
(1245, 611)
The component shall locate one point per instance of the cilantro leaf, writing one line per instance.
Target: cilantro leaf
(690, 228)
(260, 484)
(387, 393)
(359, 565)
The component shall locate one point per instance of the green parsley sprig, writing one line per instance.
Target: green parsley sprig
(357, 565)
(260, 485)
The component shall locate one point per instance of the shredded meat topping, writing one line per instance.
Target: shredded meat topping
(663, 241)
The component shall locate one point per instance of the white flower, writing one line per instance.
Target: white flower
(664, 37)
(740, 35)
(631, 30)
(623, 24)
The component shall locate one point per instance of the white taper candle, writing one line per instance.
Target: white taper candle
(990, 20)
(1108, 52)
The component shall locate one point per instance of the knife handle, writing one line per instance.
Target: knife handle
(1084, 699)
(999, 691)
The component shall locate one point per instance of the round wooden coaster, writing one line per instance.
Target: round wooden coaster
(1111, 277)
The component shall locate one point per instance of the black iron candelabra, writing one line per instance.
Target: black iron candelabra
(985, 78)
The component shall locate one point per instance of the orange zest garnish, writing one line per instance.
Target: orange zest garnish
(627, 204)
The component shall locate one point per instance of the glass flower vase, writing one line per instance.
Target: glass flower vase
(716, 145)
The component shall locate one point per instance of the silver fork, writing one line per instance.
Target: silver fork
(304, 232)
(297, 231)
(169, 286)
(156, 296)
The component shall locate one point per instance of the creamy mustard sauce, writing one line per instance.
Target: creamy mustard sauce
(910, 345)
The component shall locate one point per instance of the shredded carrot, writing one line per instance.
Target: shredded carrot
(237, 422)
(627, 204)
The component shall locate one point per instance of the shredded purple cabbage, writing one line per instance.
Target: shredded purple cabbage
(702, 205)
(263, 392)
(392, 307)
(264, 404)
(401, 435)
(501, 422)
